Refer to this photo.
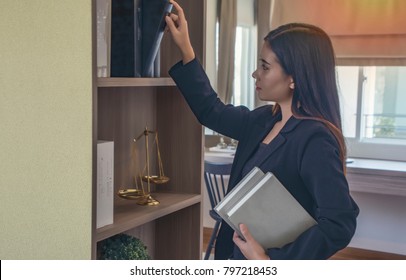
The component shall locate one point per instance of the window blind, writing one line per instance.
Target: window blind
(363, 32)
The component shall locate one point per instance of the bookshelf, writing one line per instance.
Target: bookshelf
(122, 109)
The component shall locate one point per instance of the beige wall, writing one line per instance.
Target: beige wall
(45, 129)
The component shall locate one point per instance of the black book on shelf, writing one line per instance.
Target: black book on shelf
(125, 38)
(153, 28)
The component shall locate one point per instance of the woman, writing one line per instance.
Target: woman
(299, 139)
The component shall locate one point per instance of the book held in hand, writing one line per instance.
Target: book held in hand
(238, 192)
(273, 216)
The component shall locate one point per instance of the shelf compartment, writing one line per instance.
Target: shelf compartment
(128, 215)
(134, 82)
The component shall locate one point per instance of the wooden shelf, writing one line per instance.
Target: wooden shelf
(123, 106)
(128, 215)
(134, 82)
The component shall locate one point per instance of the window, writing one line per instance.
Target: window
(244, 65)
(245, 56)
(245, 53)
(373, 110)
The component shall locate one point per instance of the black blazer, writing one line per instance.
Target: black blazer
(304, 156)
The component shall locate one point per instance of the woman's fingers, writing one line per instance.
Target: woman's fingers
(174, 17)
(249, 247)
(170, 24)
(179, 10)
(237, 240)
(177, 26)
(246, 233)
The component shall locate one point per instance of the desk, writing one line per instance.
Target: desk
(219, 157)
(377, 176)
(364, 175)
(215, 154)
(379, 188)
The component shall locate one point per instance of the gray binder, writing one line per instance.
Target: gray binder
(273, 216)
(244, 186)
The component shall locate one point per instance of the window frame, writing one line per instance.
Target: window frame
(360, 147)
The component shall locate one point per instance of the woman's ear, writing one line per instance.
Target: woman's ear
(292, 83)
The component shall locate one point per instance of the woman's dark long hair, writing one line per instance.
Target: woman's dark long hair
(306, 53)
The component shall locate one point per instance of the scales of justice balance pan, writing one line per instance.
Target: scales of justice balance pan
(142, 195)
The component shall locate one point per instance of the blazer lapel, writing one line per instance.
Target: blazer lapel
(280, 139)
(256, 135)
(272, 147)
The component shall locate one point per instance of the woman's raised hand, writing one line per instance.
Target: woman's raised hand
(177, 25)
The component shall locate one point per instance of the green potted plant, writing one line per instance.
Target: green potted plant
(123, 247)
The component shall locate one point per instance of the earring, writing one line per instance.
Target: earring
(292, 85)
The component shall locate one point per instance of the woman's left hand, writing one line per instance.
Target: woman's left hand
(250, 248)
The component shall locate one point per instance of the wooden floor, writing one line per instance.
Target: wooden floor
(345, 254)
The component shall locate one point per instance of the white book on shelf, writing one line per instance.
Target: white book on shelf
(273, 216)
(105, 183)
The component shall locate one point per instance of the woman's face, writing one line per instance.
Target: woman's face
(272, 84)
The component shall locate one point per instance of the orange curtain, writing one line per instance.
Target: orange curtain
(363, 32)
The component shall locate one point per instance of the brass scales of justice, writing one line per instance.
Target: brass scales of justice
(142, 196)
